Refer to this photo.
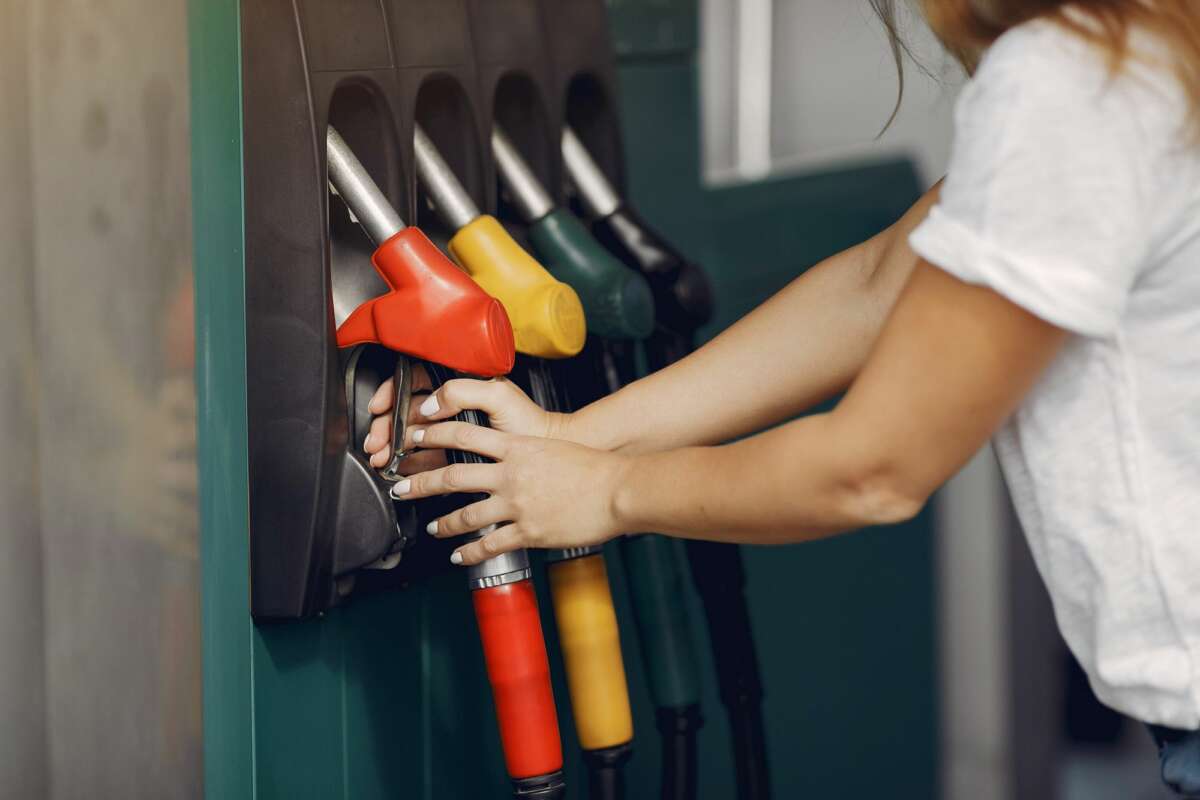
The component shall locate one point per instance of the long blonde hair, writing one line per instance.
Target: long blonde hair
(968, 27)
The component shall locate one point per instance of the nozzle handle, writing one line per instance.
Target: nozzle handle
(451, 200)
(402, 384)
(360, 193)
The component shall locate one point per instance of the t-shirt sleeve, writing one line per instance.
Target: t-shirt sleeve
(1046, 198)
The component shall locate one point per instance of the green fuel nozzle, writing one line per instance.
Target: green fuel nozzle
(617, 300)
(683, 300)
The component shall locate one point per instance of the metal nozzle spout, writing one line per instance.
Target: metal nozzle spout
(598, 195)
(529, 196)
(360, 193)
(451, 201)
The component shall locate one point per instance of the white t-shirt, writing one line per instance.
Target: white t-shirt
(1076, 195)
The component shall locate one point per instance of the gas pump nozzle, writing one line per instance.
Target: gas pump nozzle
(432, 310)
(617, 300)
(547, 316)
(682, 294)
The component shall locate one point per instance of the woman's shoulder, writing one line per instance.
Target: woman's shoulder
(1056, 59)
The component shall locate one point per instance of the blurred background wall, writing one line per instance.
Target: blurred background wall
(99, 604)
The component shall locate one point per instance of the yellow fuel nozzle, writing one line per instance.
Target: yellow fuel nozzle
(591, 649)
(547, 315)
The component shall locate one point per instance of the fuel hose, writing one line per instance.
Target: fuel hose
(683, 303)
(618, 305)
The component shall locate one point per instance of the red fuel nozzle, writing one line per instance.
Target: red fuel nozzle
(433, 311)
(519, 671)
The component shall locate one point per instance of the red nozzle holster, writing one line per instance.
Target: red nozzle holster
(433, 311)
(519, 671)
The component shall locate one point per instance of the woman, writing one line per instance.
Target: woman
(1047, 295)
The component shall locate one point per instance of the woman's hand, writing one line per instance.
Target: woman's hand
(507, 407)
(542, 492)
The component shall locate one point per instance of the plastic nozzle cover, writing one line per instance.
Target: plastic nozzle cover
(591, 649)
(432, 311)
(617, 300)
(519, 671)
(546, 314)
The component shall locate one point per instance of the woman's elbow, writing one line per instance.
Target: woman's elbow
(882, 494)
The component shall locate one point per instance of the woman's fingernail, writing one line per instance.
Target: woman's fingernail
(401, 488)
(431, 528)
(456, 557)
(418, 436)
(430, 406)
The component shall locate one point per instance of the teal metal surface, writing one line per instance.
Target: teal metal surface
(642, 28)
(221, 395)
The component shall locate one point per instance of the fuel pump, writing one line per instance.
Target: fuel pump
(683, 303)
(436, 312)
(618, 305)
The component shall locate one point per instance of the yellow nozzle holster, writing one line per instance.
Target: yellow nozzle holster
(546, 314)
(591, 648)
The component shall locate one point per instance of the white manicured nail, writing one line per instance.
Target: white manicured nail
(431, 528)
(430, 406)
(402, 488)
(418, 436)
(456, 557)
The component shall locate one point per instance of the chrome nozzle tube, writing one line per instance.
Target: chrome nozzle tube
(528, 195)
(351, 180)
(598, 195)
(450, 199)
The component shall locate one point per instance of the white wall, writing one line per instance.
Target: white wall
(833, 85)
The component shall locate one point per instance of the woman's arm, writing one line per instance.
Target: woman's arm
(952, 363)
(802, 346)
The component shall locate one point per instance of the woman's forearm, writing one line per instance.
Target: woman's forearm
(800, 347)
(793, 483)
